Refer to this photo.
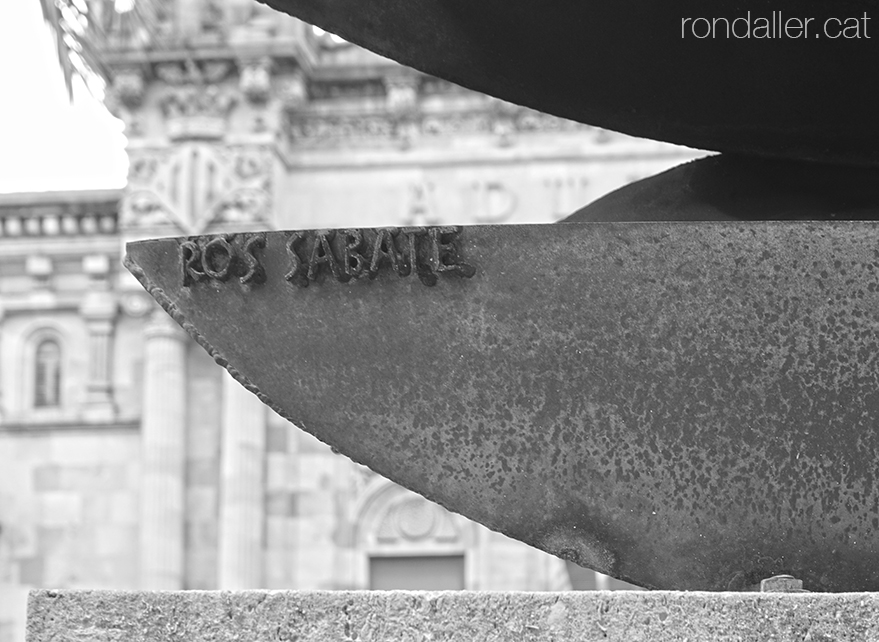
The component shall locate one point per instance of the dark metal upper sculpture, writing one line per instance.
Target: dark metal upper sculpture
(639, 67)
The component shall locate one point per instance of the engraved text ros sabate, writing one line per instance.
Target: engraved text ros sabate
(340, 255)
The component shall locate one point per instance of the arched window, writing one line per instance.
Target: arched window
(47, 374)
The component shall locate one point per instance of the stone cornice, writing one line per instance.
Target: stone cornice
(407, 120)
(65, 198)
(59, 214)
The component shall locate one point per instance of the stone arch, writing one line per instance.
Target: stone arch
(391, 521)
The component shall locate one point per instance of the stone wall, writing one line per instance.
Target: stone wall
(535, 181)
(68, 505)
(68, 509)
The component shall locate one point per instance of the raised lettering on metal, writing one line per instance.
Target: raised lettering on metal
(322, 255)
(298, 272)
(221, 257)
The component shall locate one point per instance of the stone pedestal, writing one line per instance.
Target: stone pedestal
(625, 616)
(163, 458)
(242, 488)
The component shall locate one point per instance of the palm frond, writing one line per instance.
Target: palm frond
(52, 17)
(85, 29)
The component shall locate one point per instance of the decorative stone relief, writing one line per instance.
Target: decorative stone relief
(388, 519)
(396, 518)
(210, 101)
(241, 187)
(127, 86)
(195, 186)
(414, 519)
(148, 201)
(189, 72)
(142, 208)
(328, 131)
(255, 79)
(294, 90)
(124, 96)
(197, 112)
(402, 93)
(309, 129)
(194, 104)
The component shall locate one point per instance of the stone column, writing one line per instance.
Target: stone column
(242, 501)
(164, 450)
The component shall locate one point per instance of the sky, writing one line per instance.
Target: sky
(45, 142)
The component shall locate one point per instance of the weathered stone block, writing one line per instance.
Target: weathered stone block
(449, 616)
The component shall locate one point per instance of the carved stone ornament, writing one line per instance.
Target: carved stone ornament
(414, 519)
(194, 104)
(314, 130)
(128, 86)
(191, 72)
(402, 93)
(255, 80)
(146, 203)
(294, 90)
(196, 185)
(241, 188)
(141, 208)
(197, 111)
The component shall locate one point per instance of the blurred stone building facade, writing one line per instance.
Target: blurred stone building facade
(128, 459)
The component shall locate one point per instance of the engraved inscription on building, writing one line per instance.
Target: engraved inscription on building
(328, 255)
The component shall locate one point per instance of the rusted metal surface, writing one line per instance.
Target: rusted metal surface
(634, 66)
(680, 405)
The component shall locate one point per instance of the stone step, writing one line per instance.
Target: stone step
(378, 616)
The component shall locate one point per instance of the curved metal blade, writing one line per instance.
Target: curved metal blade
(680, 405)
(784, 81)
